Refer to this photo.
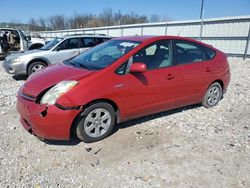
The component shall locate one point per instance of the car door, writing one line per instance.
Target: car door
(65, 50)
(24, 41)
(195, 72)
(153, 90)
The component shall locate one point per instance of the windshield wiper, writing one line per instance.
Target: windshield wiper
(83, 66)
(76, 64)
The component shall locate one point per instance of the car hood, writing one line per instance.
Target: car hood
(16, 55)
(37, 40)
(50, 76)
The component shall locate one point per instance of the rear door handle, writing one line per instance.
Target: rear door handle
(170, 77)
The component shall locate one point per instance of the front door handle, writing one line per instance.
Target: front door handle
(208, 69)
(118, 85)
(170, 77)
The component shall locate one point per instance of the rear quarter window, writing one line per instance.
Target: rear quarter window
(209, 53)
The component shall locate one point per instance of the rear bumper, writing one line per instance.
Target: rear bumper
(45, 122)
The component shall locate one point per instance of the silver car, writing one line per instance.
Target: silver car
(53, 52)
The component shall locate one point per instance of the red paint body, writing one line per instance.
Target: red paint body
(141, 94)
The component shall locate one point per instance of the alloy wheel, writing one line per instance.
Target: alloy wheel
(97, 122)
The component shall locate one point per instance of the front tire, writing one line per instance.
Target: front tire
(96, 122)
(36, 66)
(213, 95)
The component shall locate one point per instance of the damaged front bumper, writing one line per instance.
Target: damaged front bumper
(48, 122)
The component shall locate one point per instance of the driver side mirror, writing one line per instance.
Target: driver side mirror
(138, 67)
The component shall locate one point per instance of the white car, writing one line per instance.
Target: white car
(36, 41)
(19, 42)
(55, 51)
(14, 40)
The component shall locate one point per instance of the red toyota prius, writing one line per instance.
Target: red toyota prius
(118, 80)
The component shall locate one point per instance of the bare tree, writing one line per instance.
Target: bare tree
(154, 18)
(133, 18)
(33, 25)
(42, 23)
(94, 23)
(118, 17)
(166, 18)
(80, 21)
(107, 17)
(58, 22)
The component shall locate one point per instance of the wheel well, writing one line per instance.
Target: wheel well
(34, 60)
(221, 83)
(35, 46)
(112, 103)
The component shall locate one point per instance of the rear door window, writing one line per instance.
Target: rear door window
(188, 52)
(87, 42)
(71, 43)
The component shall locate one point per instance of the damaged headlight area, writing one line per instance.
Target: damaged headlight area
(56, 91)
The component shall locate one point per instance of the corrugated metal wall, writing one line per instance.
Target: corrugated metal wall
(227, 34)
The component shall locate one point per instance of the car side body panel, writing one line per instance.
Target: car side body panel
(133, 94)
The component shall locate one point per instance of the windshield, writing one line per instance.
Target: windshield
(51, 44)
(103, 55)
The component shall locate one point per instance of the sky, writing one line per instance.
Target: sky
(23, 10)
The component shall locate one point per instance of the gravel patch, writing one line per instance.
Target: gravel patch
(8, 90)
(187, 147)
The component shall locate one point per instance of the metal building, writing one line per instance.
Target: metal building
(229, 34)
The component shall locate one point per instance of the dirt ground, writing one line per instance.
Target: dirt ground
(187, 147)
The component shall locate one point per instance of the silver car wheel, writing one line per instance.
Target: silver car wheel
(213, 95)
(97, 122)
(37, 67)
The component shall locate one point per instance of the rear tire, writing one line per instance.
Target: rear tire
(96, 122)
(213, 95)
(36, 66)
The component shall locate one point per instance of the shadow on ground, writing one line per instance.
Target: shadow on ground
(20, 77)
(72, 142)
(155, 116)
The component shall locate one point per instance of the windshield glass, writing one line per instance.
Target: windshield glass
(103, 55)
(51, 44)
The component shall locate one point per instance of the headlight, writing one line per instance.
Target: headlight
(56, 91)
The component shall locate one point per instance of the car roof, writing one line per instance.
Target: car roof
(137, 38)
(85, 35)
(151, 38)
